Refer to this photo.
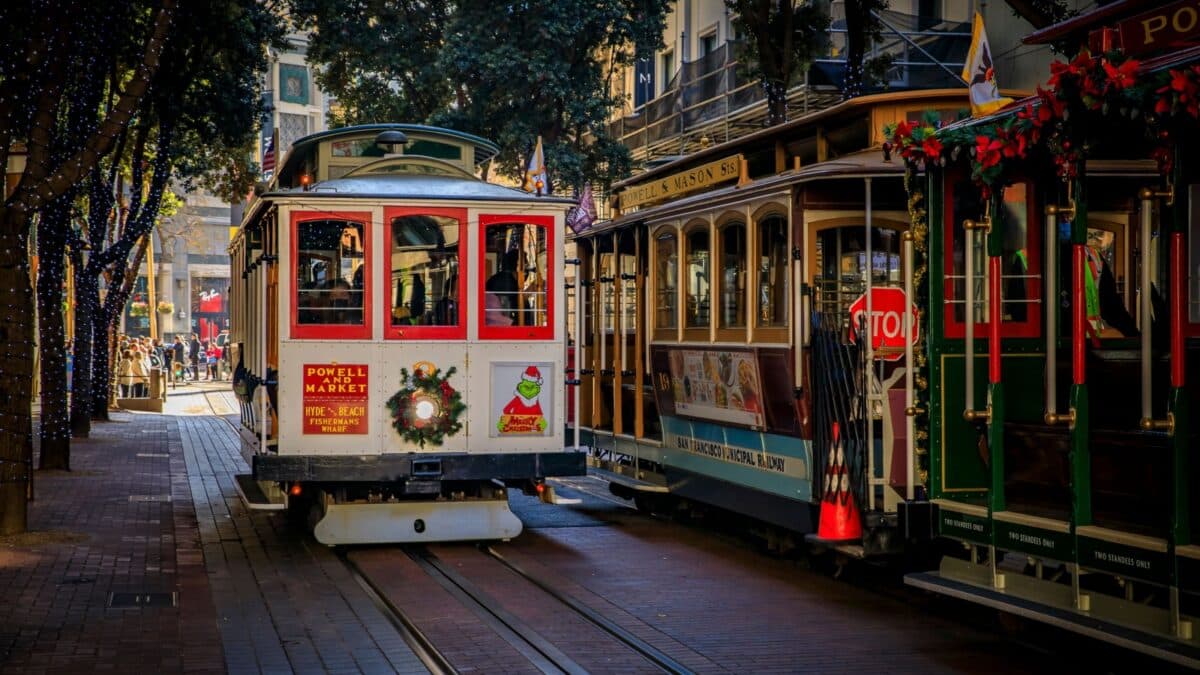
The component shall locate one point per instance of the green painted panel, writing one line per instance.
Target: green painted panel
(957, 441)
(1025, 384)
(964, 526)
(1126, 561)
(1034, 541)
(1187, 574)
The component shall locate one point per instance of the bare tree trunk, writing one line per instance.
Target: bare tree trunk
(54, 432)
(16, 378)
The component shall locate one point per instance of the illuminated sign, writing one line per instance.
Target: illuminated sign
(335, 398)
(683, 182)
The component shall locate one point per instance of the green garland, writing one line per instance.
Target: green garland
(432, 389)
(919, 217)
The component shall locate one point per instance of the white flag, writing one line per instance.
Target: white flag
(535, 174)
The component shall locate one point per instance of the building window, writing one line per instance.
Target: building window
(332, 277)
(517, 262)
(708, 44)
(733, 276)
(424, 284)
(291, 128)
(666, 280)
(697, 280)
(668, 69)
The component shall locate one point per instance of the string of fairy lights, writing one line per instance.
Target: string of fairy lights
(63, 44)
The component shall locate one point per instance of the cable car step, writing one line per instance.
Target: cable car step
(255, 497)
(1055, 612)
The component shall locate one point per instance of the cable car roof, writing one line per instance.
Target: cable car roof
(409, 186)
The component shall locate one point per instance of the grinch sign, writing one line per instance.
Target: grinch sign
(521, 400)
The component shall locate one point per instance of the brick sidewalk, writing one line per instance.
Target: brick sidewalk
(150, 508)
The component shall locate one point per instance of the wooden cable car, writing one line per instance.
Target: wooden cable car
(401, 338)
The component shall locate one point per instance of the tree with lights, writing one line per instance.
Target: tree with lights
(781, 39)
(863, 28)
(41, 40)
(508, 72)
(197, 130)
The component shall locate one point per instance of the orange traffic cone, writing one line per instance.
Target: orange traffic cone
(840, 520)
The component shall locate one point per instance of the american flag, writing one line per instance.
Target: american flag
(268, 160)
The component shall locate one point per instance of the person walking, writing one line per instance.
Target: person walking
(168, 359)
(194, 356)
(180, 353)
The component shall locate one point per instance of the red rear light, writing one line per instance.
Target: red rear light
(541, 487)
(295, 490)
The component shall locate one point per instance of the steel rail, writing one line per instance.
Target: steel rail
(422, 646)
(529, 643)
(651, 653)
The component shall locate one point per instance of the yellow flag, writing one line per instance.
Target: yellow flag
(980, 74)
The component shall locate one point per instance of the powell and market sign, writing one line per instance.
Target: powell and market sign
(706, 175)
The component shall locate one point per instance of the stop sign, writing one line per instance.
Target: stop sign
(886, 321)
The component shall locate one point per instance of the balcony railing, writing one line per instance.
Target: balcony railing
(707, 101)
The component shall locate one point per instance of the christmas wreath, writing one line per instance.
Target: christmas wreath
(426, 409)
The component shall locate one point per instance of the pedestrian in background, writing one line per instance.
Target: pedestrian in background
(194, 356)
(180, 356)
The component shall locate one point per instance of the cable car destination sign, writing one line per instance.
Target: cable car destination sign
(698, 178)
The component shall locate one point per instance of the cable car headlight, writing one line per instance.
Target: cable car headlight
(425, 408)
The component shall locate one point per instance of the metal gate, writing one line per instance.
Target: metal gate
(839, 405)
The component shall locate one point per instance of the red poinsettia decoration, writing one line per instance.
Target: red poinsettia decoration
(1122, 76)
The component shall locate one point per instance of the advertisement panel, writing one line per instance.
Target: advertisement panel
(723, 386)
(522, 402)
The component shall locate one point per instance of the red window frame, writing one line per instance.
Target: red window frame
(306, 331)
(1031, 327)
(517, 332)
(458, 332)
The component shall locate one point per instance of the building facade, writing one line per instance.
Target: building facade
(690, 93)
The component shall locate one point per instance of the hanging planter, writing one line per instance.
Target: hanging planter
(138, 308)
(165, 307)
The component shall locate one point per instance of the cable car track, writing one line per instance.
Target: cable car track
(651, 653)
(422, 646)
(541, 652)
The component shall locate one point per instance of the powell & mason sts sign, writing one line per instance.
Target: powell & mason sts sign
(706, 175)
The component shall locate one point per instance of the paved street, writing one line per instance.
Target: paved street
(149, 517)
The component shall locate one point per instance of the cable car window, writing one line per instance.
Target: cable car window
(517, 291)
(733, 276)
(773, 277)
(697, 281)
(666, 279)
(423, 272)
(331, 265)
(841, 261)
(1021, 280)
(608, 291)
